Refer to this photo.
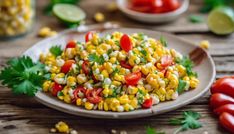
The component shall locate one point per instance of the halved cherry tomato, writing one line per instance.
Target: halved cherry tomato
(94, 79)
(227, 121)
(132, 78)
(147, 103)
(67, 66)
(166, 61)
(219, 99)
(85, 67)
(224, 85)
(77, 91)
(56, 88)
(125, 43)
(124, 64)
(71, 44)
(88, 36)
(171, 5)
(93, 95)
(225, 108)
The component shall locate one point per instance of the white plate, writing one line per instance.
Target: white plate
(206, 75)
(153, 18)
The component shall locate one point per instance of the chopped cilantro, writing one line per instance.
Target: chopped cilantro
(56, 50)
(181, 86)
(163, 41)
(96, 58)
(143, 52)
(150, 130)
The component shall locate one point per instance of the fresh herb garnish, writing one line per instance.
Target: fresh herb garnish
(196, 19)
(96, 58)
(23, 76)
(181, 86)
(189, 120)
(150, 130)
(211, 4)
(56, 50)
(143, 52)
(188, 64)
(163, 41)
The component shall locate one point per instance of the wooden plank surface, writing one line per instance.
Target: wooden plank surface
(20, 114)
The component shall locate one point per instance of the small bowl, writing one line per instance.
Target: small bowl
(153, 18)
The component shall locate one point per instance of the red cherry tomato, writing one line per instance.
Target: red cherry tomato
(67, 66)
(227, 121)
(229, 108)
(171, 5)
(88, 36)
(56, 88)
(71, 44)
(132, 78)
(158, 6)
(224, 85)
(124, 64)
(166, 61)
(142, 2)
(77, 91)
(144, 9)
(125, 43)
(93, 95)
(85, 67)
(219, 99)
(147, 103)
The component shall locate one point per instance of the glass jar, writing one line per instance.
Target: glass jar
(16, 17)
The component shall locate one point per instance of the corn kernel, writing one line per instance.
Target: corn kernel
(105, 73)
(194, 82)
(46, 86)
(204, 44)
(106, 106)
(67, 98)
(123, 99)
(132, 90)
(78, 102)
(99, 17)
(113, 60)
(62, 127)
(89, 106)
(134, 103)
(101, 105)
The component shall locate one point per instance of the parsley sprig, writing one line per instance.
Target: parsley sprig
(181, 86)
(56, 50)
(23, 76)
(188, 64)
(150, 130)
(189, 120)
(96, 58)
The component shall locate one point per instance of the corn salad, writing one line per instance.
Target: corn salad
(117, 72)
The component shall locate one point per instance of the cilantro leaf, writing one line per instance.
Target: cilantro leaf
(23, 76)
(56, 50)
(163, 41)
(188, 64)
(150, 130)
(189, 120)
(181, 86)
(195, 19)
(143, 52)
(96, 58)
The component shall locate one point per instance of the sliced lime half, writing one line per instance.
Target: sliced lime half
(69, 13)
(221, 20)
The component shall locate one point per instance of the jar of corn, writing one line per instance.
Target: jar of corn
(16, 17)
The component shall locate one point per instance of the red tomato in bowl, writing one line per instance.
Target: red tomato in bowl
(171, 5)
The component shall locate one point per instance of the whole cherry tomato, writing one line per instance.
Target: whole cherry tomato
(125, 43)
(219, 99)
(132, 78)
(85, 67)
(224, 85)
(171, 5)
(71, 44)
(93, 95)
(227, 121)
(124, 64)
(56, 88)
(158, 6)
(166, 61)
(144, 9)
(229, 108)
(138, 3)
(89, 36)
(67, 66)
(147, 103)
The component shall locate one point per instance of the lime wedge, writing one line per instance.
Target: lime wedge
(221, 20)
(69, 13)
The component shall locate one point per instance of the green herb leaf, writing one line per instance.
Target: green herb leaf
(150, 130)
(96, 58)
(163, 41)
(56, 50)
(143, 52)
(23, 76)
(189, 120)
(181, 86)
(188, 64)
(196, 19)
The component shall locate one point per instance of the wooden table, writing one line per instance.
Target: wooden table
(20, 114)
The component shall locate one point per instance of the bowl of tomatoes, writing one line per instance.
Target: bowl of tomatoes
(153, 11)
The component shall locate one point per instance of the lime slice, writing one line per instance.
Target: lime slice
(221, 20)
(68, 13)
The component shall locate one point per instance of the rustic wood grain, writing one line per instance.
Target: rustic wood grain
(20, 114)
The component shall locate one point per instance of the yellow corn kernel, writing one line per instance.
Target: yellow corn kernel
(81, 78)
(159, 66)
(100, 51)
(204, 44)
(54, 69)
(105, 73)
(105, 92)
(132, 90)
(95, 39)
(62, 127)
(131, 60)
(162, 91)
(52, 76)
(193, 82)
(67, 98)
(42, 58)
(78, 102)
(83, 54)
(117, 35)
(114, 103)
(119, 78)
(162, 97)
(105, 106)
(127, 107)
(43, 32)
(90, 48)
(101, 105)
(61, 97)
(169, 94)
(181, 70)
(136, 69)
(186, 78)
(112, 60)
(99, 17)
(122, 55)
(104, 46)
(89, 106)
(134, 103)
(144, 70)
(161, 75)
(131, 97)
(46, 86)
(71, 81)
(108, 67)
(116, 83)
(123, 99)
